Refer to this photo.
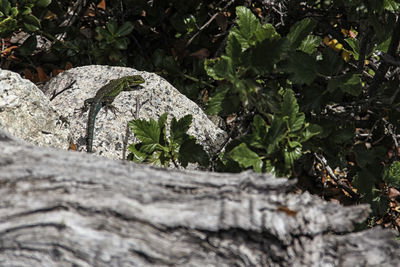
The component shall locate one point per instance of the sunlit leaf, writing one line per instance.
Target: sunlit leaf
(246, 157)
(299, 31)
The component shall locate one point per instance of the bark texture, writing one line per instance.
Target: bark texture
(61, 208)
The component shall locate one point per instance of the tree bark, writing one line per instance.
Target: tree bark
(61, 208)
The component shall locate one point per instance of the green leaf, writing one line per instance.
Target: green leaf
(309, 44)
(343, 135)
(257, 138)
(159, 158)
(233, 49)
(31, 23)
(260, 128)
(391, 174)
(121, 43)
(246, 157)
(275, 134)
(31, 19)
(313, 99)
(150, 148)
(331, 64)
(110, 39)
(27, 11)
(384, 46)
(290, 108)
(303, 67)
(7, 26)
(146, 131)
(192, 152)
(136, 155)
(179, 129)
(294, 144)
(380, 203)
(352, 85)
(310, 131)
(391, 5)
(125, 29)
(102, 32)
(247, 24)
(162, 126)
(265, 55)
(333, 84)
(220, 68)
(291, 155)
(112, 27)
(14, 12)
(297, 123)
(365, 157)
(365, 181)
(30, 27)
(349, 83)
(5, 6)
(267, 31)
(29, 45)
(355, 46)
(162, 120)
(43, 3)
(299, 31)
(214, 105)
(223, 102)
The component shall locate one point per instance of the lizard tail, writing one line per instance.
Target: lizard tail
(90, 127)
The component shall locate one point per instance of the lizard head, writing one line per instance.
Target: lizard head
(133, 80)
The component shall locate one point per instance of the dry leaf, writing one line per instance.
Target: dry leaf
(8, 50)
(287, 211)
(28, 75)
(102, 5)
(352, 34)
(222, 21)
(55, 72)
(73, 147)
(205, 96)
(259, 12)
(68, 65)
(393, 193)
(50, 15)
(201, 53)
(42, 76)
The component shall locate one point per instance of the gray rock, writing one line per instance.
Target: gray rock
(60, 208)
(28, 114)
(154, 98)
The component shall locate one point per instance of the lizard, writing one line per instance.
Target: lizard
(104, 98)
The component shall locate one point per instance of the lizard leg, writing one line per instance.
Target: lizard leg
(86, 105)
(107, 104)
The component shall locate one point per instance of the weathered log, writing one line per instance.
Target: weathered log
(61, 208)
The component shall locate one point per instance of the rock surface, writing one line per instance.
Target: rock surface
(61, 208)
(154, 98)
(28, 114)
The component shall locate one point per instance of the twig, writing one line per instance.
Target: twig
(392, 133)
(127, 132)
(207, 23)
(389, 59)
(55, 94)
(197, 80)
(345, 187)
(363, 49)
